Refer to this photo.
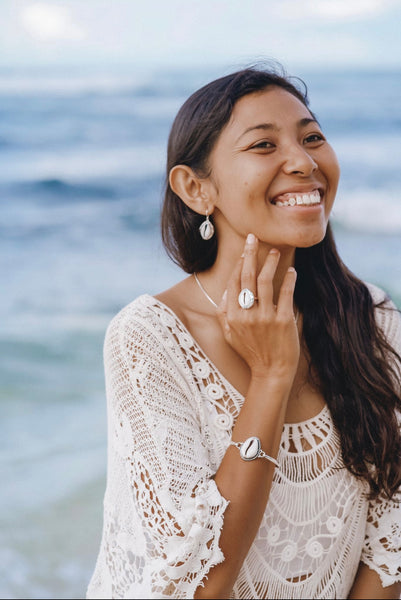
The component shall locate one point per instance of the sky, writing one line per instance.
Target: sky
(110, 33)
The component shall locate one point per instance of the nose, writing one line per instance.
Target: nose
(298, 161)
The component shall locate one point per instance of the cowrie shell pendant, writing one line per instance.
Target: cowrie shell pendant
(206, 229)
(246, 298)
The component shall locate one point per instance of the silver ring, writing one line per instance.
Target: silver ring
(246, 298)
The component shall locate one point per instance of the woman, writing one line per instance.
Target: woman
(254, 446)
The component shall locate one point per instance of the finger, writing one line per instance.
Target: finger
(249, 267)
(265, 279)
(286, 296)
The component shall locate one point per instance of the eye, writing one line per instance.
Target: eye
(314, 138)
(264, 145)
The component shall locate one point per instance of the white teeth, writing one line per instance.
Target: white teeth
(300, 199)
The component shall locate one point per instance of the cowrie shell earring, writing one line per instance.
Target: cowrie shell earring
(206, 229)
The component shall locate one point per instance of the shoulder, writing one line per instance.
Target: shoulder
(387, 315)
(144, 316)
(142, 353)
(381, 300)
(148, 336)
(378, 295)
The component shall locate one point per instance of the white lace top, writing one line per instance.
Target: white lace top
(170, 414)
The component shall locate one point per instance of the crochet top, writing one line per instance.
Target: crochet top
(170, 415)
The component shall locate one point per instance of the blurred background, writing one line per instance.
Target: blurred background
(88, 91)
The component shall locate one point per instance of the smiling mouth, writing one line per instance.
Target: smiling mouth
(298, 199)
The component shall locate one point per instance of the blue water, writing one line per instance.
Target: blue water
(82, 158)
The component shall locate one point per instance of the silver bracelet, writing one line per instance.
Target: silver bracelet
(251, 449)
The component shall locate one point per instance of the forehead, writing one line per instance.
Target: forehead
(274, 105)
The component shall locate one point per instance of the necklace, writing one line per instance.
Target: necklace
(214, 303)
(204, 291)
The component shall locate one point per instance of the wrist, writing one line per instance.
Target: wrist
(274, 381)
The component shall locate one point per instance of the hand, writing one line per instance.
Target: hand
(265, 336)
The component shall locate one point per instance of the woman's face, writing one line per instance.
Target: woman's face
(273, 173)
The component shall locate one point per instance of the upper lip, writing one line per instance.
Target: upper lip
(300, 189)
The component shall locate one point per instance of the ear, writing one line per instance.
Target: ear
(192, 190)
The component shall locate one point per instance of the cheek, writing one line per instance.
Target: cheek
(332, 168)
(252, 186)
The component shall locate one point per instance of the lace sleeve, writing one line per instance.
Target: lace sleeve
(163, 512)
(382, 549)
(388, 318)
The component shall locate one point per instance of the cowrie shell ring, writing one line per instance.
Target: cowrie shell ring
(246, 298)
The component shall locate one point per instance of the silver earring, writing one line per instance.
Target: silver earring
(206, 229)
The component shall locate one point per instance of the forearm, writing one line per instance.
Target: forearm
(247, 484)
(367, 584)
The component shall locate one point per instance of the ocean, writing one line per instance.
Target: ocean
(82, 164)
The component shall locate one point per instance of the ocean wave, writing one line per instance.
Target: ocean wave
(69, 84)
(65, 189)
(72, 84)
(77, 164)
(76, 190)
(368, 150)
(370, 211)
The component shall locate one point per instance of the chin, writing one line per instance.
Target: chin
(306, 241)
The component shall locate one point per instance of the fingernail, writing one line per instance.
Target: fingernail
(224, 296)
(274, 251)
(291, 270)
(251, 239)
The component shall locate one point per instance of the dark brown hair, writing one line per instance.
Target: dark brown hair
(357, 370)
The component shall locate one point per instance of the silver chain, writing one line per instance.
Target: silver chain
(204, 291)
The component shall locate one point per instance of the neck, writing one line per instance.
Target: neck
(216, 278)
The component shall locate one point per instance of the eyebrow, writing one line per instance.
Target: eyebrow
(271, 127)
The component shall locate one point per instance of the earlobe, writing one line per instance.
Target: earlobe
(190, 188)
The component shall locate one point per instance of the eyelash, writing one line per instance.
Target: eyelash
(318, 138)
(265, 145)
